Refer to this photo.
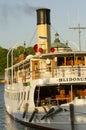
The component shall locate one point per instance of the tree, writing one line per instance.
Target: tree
(3, 60)
(16, 53)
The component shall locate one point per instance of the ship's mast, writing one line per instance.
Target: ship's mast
(79, 31)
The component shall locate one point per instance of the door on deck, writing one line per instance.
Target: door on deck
(35, 69)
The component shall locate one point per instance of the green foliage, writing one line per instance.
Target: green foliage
(22, 50)
(16, 52)
(30, 50)
(3, 60)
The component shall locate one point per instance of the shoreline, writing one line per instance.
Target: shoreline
(2, 80)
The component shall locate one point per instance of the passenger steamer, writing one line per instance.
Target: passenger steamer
(48, 90)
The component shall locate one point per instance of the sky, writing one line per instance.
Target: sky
(18, 21)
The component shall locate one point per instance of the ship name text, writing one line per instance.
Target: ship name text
(72, 79)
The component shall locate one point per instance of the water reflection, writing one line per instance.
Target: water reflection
(13, 125)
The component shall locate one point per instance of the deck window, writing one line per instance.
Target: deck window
(60, 61)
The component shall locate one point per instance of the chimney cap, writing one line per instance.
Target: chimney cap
(43, 9)
(43, 16)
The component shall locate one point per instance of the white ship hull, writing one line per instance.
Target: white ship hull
(62, 117)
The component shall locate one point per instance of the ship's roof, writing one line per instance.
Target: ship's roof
(59, 45)
(71, 53)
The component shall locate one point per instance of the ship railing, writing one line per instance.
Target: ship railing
(58, 72)
(70, 71)
(64, 72)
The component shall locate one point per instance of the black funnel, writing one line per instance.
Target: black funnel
(43, 16)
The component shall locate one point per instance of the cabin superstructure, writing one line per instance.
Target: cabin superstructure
(57, 72)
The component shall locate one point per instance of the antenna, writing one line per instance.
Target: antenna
(79, 31)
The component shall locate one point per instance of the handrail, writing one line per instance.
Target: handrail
(57, 72)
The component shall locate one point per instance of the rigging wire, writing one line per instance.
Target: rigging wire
(33, 36)
(57, 32)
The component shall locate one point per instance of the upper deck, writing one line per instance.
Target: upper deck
(67, 67)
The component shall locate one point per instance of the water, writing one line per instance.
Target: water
(6, 123)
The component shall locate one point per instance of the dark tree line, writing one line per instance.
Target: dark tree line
(16, 52)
